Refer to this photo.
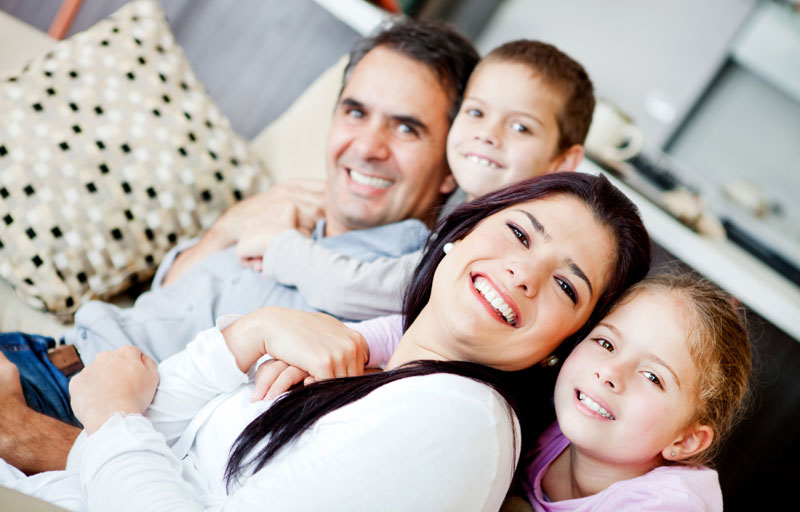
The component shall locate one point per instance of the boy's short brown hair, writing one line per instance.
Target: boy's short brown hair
(565, 75)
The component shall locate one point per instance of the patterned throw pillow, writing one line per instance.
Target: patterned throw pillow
(111, 152)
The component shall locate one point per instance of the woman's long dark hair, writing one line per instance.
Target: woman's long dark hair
(527, 392)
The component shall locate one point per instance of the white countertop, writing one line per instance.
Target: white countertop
(744, 276)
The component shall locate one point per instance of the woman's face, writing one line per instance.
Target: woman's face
(521, 282)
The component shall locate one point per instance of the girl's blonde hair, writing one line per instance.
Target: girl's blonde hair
(719, 346)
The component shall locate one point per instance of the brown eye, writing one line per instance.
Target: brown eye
(605, 344)
(568, 290)
(519, 234)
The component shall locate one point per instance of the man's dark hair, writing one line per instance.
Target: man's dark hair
(437, 45)
(567, 78)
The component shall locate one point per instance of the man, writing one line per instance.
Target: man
(385, 163)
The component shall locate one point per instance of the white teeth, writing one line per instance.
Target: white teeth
(591, 404)
(482, 161)
(493, 298)
(370, 181)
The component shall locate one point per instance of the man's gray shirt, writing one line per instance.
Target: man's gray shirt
(163, 320)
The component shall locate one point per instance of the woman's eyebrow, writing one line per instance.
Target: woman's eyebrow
(578, 272)
(539, 228)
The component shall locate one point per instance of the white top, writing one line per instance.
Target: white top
(438, 442)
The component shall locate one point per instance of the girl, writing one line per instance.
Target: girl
(643, 402)
(439, 431)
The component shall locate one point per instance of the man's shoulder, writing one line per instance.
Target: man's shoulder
(392, 240)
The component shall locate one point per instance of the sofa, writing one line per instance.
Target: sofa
(286, 147)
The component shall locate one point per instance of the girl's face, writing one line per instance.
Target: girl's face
(521, 282)
(627, 391)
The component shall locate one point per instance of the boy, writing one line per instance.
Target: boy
(526, 112)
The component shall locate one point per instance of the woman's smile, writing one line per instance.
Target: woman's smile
(496, 300)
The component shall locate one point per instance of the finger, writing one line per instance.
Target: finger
(355, 364)
(265, 377)
(309, 380)
(149, 362)
(288, 378)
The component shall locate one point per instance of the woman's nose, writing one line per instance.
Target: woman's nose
(525, 277)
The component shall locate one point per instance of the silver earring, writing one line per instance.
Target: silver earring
(447, 247)
(551, 361)
(673, 453)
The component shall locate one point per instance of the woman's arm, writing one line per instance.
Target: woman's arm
(439, 442)
(352, 288)
(381, 335)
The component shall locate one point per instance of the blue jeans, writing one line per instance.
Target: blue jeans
(46, 389)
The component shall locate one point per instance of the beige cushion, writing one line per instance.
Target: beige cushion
(293, 146)
(111, 152)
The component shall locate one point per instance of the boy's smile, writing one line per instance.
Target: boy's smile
(506, 130)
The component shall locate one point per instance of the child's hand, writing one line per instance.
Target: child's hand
(275, 377)
(256, 238)
(296, 204)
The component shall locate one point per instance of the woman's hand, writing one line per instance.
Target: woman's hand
(274, 377)
(124, 380)
(313, 342)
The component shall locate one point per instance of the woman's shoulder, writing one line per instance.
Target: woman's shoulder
(446, 402)
(448, 388)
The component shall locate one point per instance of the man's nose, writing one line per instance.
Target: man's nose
(372, 143)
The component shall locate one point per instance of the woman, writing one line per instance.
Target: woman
(529, 266)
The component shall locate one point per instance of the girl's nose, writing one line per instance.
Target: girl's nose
(608, 375)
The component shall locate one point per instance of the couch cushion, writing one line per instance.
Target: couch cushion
(19, 42)
(293, 146)
(110, 152)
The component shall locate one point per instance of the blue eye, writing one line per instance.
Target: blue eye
(519, 234)
(474, 112)
(521, 128)
(406, 129)
(356, 112)
(568, 290)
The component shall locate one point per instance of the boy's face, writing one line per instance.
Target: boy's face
(627, 391)
(506, 130)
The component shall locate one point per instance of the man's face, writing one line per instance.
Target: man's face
(386, 148)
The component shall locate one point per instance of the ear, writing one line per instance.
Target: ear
(694, 440)
(448, 184)
(568, 160)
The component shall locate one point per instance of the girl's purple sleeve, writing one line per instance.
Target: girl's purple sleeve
(382, 335)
